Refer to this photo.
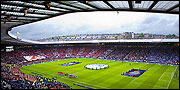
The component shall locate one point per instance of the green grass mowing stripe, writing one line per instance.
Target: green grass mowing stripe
(77, 68)
(144, 66)
(94, 74)
(91, 85)
(147, 74)
(118, 84)
(165, 78)
(66, 67)
(102, 77)
(147, 86)
(171, 78)
(161, 75)
(93, 71)
(138, 81)
(175, 81)
(160, 83)
(74, 68)
(148, 66)
(139, 65)
(101, 70)
(165, 75)
(117, 72)
(154, 77)
(131, 86)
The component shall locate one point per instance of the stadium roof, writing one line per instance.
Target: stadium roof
(15, 13)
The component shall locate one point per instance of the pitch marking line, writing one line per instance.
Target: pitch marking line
(133, 80)
(149, 85)
(162, 75)
(171, 77)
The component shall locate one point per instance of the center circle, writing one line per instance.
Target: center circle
(96, 66)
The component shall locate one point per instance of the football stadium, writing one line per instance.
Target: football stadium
(114, 60)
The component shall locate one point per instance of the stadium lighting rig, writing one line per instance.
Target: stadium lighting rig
(138, 1)
(83, 1)
(47, 4)
(7, 18)
(24, 10)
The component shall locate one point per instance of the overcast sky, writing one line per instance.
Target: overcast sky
(100, 23)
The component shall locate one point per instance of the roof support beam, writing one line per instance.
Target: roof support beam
(177, 5)
(89, 5)
(152, 5)
(53, 6)
(20, 5)
(18, 19)
(20, 15)
(11, 10)
(130, 5)
(69, 5)
(109, 4)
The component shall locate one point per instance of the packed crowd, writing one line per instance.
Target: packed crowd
(12, 57)
(162, 55)
(13, 78)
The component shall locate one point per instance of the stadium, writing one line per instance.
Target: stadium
(124, 60)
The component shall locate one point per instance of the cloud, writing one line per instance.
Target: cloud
(100, 23)
(160, 24)
(98, 20)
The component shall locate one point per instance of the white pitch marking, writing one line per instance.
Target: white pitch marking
(171, 77)
(149, 85)
(133, 80)
(162, 75)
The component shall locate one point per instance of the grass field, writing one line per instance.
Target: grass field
(156, 77)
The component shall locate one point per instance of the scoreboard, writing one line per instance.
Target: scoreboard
(9, 48)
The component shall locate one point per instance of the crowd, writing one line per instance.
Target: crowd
(13, 78)
(162, 55)
(11, 58)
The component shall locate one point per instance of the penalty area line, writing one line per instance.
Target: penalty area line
(133, 80)
(149, 85)
(171, 78)
(162, 75)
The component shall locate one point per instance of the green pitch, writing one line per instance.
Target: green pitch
(156, 77)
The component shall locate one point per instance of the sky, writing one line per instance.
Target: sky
(100, 23)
